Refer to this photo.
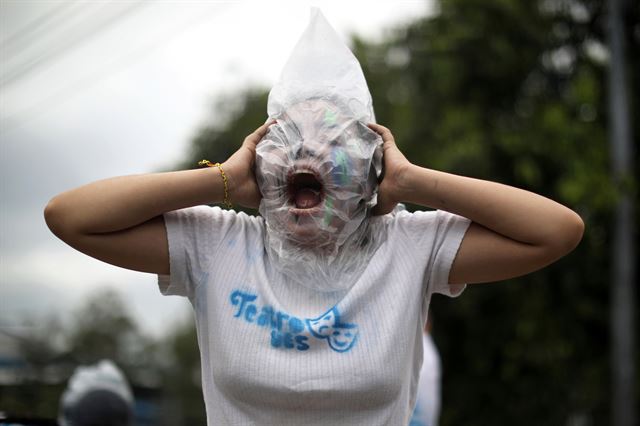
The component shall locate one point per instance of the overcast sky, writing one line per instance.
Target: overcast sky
(95, 89)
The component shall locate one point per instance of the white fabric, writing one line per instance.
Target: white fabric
(277, 353)
(427, 408)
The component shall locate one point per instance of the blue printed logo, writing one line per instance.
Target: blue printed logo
(286, 330)
(341, 336)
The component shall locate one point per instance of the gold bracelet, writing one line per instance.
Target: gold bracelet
(226, 201)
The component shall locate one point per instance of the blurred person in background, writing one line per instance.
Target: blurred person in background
(97, 395)
(429, 396)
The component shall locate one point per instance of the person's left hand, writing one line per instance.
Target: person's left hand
(395, 167)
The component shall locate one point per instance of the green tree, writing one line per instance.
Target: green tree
(182, 377)
(35, 390)
(101, 328)
(512, 91)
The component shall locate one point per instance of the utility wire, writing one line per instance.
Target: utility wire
(25, 35)
(89, 80)
(63, 29)
(50, 55)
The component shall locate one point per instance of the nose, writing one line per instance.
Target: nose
(302, 152)
(307, 149)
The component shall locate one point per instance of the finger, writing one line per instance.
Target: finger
(259, 133)
(386, 134)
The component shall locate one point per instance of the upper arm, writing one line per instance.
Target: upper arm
(485, 255)
(141, 248)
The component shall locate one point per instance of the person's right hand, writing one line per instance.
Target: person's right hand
(395, 166)
(239, 168)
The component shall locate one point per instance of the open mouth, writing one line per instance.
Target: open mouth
(305, 190)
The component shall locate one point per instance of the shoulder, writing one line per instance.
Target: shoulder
(205, 225)
(209, 215)
(407, 221)
(422, 228)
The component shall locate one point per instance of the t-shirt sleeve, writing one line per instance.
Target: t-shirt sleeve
(437, 235)
(194, 235)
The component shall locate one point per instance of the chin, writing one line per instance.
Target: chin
(305, 232)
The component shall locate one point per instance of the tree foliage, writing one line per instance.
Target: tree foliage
(510, 91)
(183, 377)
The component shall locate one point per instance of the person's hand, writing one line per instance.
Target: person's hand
(395, 165)
(239, 168)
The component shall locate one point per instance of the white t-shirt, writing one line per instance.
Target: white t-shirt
(276, 353)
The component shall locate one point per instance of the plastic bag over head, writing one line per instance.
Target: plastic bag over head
(318, 167)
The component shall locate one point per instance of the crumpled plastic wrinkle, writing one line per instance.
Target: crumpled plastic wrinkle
(316, 154)
(321, 64)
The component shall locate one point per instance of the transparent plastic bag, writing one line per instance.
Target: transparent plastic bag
(318, 167)
(322, 65)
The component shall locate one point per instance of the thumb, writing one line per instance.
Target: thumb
(385, 204)
(254, 138)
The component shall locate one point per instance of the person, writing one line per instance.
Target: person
(492, 232)
(312, 313)
(428, 397)
(97, 395)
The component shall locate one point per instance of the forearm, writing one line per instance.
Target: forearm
(122, 202)
(514, 213)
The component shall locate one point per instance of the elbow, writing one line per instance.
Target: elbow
(51, 215)
(569, 234)
(54, 217)
(575, 231)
